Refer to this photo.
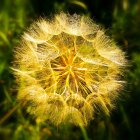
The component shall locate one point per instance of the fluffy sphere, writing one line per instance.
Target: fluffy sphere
(68, 70)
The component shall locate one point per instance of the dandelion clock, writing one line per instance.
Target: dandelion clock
(68, 70)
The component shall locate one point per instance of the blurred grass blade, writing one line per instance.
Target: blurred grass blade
(2, 67)
(4, 38)
(79, 3)
(7, 95)
(8, 114)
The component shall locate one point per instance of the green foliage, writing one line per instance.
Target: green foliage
(123, 20)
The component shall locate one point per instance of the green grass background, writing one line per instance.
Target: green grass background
(121, 18)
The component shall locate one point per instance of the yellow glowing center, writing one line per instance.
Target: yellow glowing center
(68, 69)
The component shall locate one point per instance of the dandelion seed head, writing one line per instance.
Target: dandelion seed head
(68, 70)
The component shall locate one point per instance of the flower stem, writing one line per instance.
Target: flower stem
(84, 132)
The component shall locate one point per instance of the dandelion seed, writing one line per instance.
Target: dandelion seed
(68, 70)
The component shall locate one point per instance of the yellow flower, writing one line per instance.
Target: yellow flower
(68, 70)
